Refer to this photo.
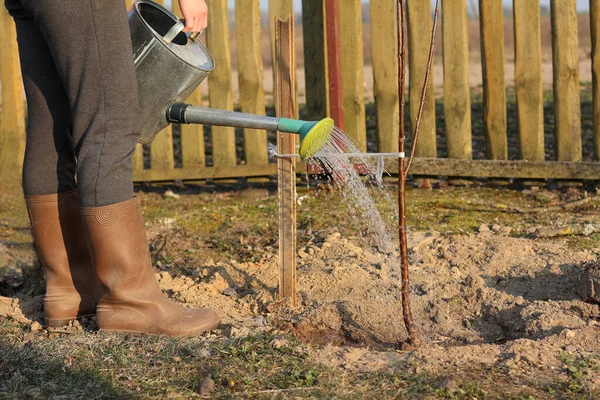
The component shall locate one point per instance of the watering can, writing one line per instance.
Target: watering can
(170, 65)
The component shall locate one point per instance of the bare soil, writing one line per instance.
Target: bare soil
(491, 298)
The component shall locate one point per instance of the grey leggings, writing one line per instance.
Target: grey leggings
(81, 91)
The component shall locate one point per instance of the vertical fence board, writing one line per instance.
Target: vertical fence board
(192, 135)
(565, 62)
(528, 79)
(595, 30)
(419, 39)
(457, 99)
(138, 159)
(219, 81)
(250, 67)
(494, 90)
(161, 149)
(315, 49)
(385, 71)
(334, 67)
(352, 61)
(286, 167)
(12, 112)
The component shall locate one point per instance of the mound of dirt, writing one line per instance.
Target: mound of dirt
(484, 298)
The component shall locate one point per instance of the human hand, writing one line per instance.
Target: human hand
(195, 13)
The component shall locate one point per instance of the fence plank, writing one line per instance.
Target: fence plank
(385, 71)
(219, 80)
(250, 67)
(352, 62)
(315, 50)
(528, 79)
(494, 91)
(138, 158)
(419, 39)
(161, 149)
(192, 135)
(595, 30)
(505, 169)
(196, 173)
(565, 62)
(12, 112)
(286, 167)
(421, 166)
(457, 99)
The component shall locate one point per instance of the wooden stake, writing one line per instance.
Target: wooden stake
(286, 167)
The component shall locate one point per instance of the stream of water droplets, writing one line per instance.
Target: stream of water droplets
(370, 203)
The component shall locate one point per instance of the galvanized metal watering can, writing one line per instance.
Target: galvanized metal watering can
(170, 65)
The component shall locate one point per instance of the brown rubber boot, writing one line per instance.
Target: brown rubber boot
(133, 301)
(72, 289)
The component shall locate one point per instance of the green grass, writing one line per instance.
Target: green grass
(579, 370)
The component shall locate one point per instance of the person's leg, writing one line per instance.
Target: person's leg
(90, 44)
(49, 163)
(72, 288)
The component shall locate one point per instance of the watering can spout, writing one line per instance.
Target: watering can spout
(313, 134)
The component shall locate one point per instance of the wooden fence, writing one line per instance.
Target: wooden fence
(157, 162)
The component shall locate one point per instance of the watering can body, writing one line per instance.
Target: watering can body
(166, 71)
(170, 65)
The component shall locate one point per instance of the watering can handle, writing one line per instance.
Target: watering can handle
(177, 29)
(193, 35)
